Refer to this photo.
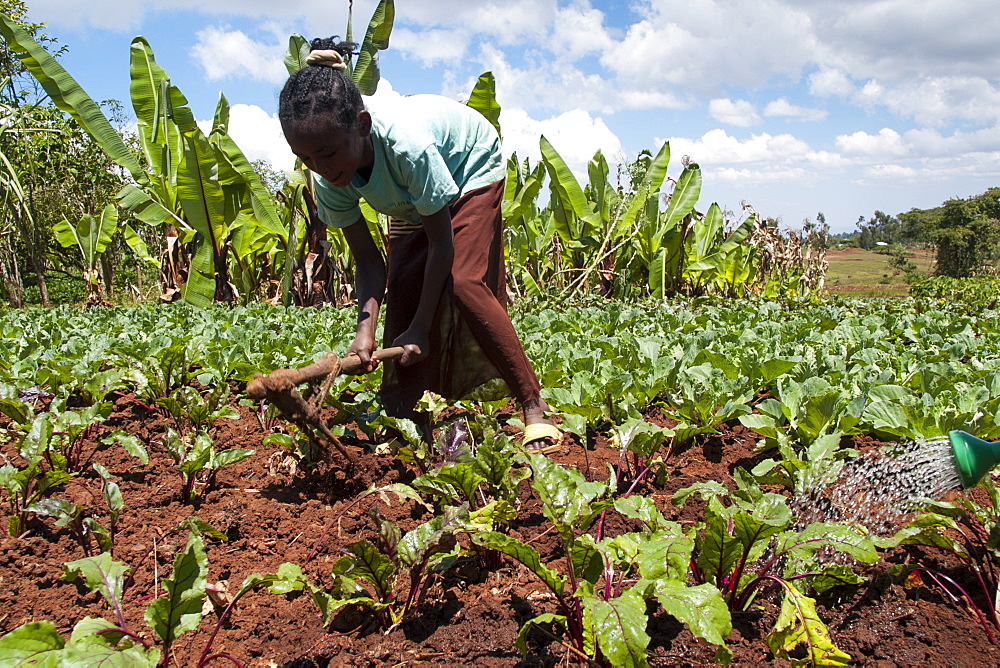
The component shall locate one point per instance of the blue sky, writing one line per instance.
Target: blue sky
(843, 107)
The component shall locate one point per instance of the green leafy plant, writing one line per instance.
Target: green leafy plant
(806, 412)
(54, 447)
(159, 363)
(389, 576)
(26, 486)
(74, 517)
(749, 545)
(93, 642)
(170, 614)
(92, 237)
(193, 411)
(607, 623)
(968, 531)
(195, 456)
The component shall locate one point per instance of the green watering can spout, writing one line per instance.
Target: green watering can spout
(974, 457)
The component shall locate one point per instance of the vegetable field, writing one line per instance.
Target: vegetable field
(153, 514)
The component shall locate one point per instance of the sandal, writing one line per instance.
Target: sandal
(535, 435)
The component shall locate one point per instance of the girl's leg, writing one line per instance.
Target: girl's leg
(480, 286)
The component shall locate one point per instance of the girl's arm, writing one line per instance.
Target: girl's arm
(371, 277)
(440, 254)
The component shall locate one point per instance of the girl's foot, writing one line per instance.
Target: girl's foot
(540, 433)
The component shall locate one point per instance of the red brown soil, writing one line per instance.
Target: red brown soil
(275, 510)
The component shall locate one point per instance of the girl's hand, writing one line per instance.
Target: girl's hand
(415, 345)
(363, 346)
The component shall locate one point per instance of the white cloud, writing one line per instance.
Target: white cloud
(431, 47)
(782, 107)
(575, 135)
(716, 147)
(889, 172)
(830, 82)
(887, 143)
(127, 15)
(733, 112)
(258, 133)
(895, 40)
(507, 22)
(540, 85)
(230, 53)
(705, 44)
(748, 175)
(578, 31)
(936, 101)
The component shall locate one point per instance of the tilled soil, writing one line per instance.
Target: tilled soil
(273, 510)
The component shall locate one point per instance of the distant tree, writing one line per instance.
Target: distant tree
(817, 234)
(968, 235)
(880, 228)
(19, 93)
(22, 86)
(920, 224)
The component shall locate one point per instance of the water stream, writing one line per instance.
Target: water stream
(879, 489)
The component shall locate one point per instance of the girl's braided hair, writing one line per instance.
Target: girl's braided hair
(316, 89)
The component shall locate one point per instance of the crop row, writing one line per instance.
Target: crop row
(800, 374)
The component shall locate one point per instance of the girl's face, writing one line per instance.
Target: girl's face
(335, 153)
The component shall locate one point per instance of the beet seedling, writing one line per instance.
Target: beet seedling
(170, 614)
(74, 517)
(606, 622)
(747, 546)
(196, 455)
(192, 412)
(25, 487)
(970, 532)
(388, 577)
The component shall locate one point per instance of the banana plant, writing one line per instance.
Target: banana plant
(181, 190)
(185, 194)
(577, 222)
(91, 236)
(667, 257)
(712, 258)
(529, 229)
(318, 269)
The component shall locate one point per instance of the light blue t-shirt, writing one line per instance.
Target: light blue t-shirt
(429, 151)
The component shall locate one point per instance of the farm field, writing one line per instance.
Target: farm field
(655, 397)
(859, 272)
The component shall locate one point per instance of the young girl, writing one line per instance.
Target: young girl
(434, 167)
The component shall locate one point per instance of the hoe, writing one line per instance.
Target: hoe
(279, 387)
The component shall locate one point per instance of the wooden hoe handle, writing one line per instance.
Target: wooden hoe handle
(283, 380)
(279, 387)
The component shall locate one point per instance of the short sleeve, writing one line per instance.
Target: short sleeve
(337, 207)
(431, 184)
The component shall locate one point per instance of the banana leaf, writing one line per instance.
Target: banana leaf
(69, 96)
(203, 202)
(484, 99)
(366, 71)
(91, 235)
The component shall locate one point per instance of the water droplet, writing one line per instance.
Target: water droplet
(881, 488)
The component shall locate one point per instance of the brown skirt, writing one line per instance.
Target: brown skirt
(472, 340)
